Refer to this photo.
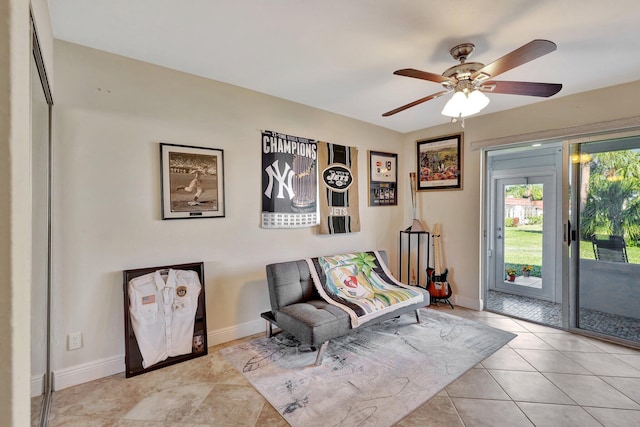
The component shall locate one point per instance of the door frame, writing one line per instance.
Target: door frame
(548, 179)
(557, 166)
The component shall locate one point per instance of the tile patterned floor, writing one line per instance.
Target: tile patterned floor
(549, 313)
(543, 377)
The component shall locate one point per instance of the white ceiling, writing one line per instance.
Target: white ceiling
(339, 55)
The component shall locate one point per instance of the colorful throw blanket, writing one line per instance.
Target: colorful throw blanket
(361, 284)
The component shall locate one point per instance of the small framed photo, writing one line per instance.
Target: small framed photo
(383, 179)
(440, 163)
(192, 182)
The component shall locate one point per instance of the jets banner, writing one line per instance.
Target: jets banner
(338, 167)
(289, 181)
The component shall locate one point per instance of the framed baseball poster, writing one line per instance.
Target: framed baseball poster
(383, 179)
(440, 163)
(192, 182)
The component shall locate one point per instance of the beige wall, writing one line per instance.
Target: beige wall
(14, 213)
(110, 115)
(459, 212)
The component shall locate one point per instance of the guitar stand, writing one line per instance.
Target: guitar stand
(434, 301)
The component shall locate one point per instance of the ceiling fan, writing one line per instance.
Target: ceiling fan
(468, 80)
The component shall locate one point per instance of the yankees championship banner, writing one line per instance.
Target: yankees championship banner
(338, 167)
(289, 181)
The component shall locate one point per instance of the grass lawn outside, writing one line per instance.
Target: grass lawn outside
(523, 245)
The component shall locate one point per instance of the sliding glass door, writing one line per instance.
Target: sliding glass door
(532, 217)
(606, 248)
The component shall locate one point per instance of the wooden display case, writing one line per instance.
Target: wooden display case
(133, 357)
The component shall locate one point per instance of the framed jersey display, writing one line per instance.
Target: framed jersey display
(164, 316)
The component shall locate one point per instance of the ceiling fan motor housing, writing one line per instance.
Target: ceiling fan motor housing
(462, 51)
(463, 71)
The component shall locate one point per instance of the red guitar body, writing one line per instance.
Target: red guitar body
(437, 285)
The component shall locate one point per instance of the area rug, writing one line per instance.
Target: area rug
(373, 377)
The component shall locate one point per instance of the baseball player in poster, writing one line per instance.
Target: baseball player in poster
(195, 184)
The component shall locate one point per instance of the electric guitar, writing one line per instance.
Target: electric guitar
(437, 284)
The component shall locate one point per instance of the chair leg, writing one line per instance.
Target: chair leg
(269, 330)
(321, 350)
(418, 316)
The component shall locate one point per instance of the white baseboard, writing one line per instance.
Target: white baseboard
(37, 385)
(221, 336)
(67, 377)
(473, 304)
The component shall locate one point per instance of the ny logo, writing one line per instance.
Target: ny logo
(274, 173)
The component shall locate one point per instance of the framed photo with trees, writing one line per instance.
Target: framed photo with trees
(192, 182)
(439, 163)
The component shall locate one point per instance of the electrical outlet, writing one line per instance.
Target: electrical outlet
(74, 341)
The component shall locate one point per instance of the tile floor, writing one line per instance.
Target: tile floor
(548, 313)
(543, 377)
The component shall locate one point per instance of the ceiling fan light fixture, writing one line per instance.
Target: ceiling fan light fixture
(463, 104)
(477, 101)
(455, 105)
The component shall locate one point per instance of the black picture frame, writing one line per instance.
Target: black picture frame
(383, 179)
(133, 357)
(439, 163)
(192, 182)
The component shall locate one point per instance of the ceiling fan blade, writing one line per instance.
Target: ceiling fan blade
(522, 88)
(414, 103)
(424, 75)
(522, 55)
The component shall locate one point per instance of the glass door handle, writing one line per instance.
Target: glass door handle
(571, 234)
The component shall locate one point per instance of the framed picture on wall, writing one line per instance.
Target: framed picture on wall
(383, 179)
(439, 163)
(192, 182)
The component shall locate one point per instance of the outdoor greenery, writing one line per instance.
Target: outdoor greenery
(522, 246)
(523, 243)
(612, 203)
(531, 191)
(586, 252)
(533, 220)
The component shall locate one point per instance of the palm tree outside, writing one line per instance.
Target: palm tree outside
(610, 200)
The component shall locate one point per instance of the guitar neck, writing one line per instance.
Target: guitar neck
(436, 251)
